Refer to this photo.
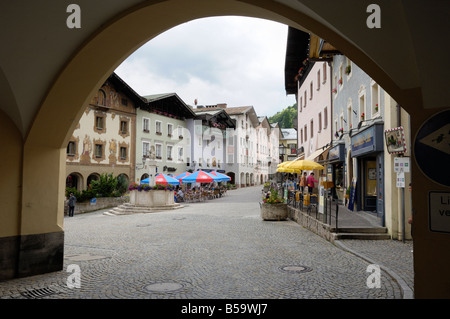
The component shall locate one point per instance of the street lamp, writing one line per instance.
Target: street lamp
(282, 152)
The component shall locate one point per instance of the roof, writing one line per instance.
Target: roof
(217, 113)
(168, 103)
(296, 52)
(237, 110)
(288, 134)
(126, 89)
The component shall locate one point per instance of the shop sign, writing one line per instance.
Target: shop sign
(395, 140)
(336, 153)
(367, 141)
(439, 211)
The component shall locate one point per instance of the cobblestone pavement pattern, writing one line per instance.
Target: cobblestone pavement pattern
(214, 249)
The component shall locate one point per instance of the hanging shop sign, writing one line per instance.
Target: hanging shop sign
(432, 148)
(395, 140)
(368, 141)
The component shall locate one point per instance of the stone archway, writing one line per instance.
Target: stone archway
(40, 148)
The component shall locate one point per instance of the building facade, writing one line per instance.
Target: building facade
(161, 123)
(103, 142)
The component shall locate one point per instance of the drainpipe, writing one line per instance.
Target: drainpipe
(402, 189)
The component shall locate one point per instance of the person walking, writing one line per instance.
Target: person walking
(311, 183)
(72, 201)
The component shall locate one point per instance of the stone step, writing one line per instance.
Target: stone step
(127, 209)
(372, 230)
(362, 236)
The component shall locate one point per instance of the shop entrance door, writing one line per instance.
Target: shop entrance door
(370, 184)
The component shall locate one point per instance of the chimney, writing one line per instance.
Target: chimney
(222, 105)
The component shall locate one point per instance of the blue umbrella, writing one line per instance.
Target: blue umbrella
(222, 177)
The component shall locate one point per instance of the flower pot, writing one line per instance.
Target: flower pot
(274, 211)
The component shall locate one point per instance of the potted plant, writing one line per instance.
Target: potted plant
(273, 207)
(348, 69)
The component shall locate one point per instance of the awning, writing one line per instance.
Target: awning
(315, 154)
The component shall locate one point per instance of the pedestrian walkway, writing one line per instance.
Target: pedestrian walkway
(218, 249)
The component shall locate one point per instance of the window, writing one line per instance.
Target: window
(301, 136)
(318, 80)
(306, 133)
(180, 153)
(324, 73)
(311, 90)
(349, 116)
(301, 104)
(305, 99)
(325, 118)
(340, 81)
(123, 153)
(374, 94)
(158, 151)
(362, 107)
(320, 122)
(146, 125)
(158, 129)
(98, 150)
(145, 148)
(169, 152)
(200, 161)
(101, 97)
(123, 127)
(312, 128)
(71, 149)
(124, 102)
(208, 162)
(169, 129)
(99, 123)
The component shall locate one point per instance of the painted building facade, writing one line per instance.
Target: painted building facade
(103, 142)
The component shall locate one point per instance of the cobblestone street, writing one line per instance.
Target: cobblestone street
(217, 249)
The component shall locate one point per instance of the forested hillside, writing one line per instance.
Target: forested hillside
(285, 117)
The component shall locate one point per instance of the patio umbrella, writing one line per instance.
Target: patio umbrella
(223, 177)
(303, 165)
(179, 176)
(162, 179)
(200, 177)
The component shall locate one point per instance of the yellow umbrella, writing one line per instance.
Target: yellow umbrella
(286, 170)
(303, 165)
(283, 164)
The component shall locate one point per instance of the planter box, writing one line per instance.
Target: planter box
(152, 198)
(274, 211)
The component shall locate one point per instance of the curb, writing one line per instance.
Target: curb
(407, 293)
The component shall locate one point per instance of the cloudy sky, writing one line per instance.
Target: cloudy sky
(233, 60)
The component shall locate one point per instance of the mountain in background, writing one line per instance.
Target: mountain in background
(285, 118)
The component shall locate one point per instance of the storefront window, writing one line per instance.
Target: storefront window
(339, 176)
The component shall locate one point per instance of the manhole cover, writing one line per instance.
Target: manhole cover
(295, 269)
(163, 287)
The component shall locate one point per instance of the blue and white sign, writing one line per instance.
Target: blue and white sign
(432, 148)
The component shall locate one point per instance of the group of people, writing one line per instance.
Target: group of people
(307, 181)
(181, 196)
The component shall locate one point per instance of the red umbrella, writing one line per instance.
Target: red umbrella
(199, 177)
(165, 179)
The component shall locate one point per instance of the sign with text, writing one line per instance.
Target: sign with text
(439, 211)
(351, 198)
(401, 164)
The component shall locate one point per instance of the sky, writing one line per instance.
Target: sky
(234, 60)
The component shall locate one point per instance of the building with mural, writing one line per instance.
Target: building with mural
(103, 142)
